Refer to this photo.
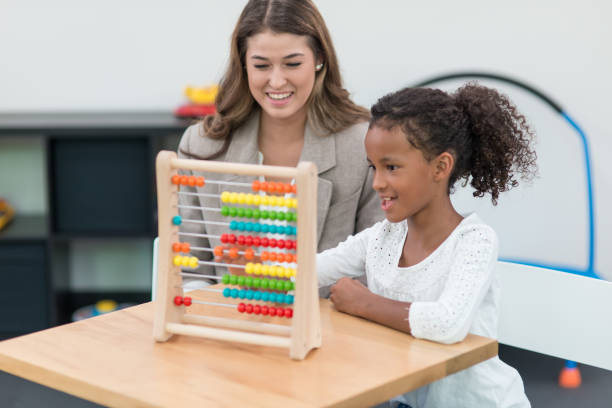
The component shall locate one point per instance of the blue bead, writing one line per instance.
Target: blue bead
(280, 298)
(256, 227)
(250, 294)
(234, 293)
(242, 294)
(289, 299)
(265, 296)
(227, 292)
(241, 226)
(272, 297)
(272, 229)
(176, 220)
(233, 225)
(248, 226)
(265, 228)
(257, 295)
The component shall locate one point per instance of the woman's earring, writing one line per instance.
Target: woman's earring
(318, 67)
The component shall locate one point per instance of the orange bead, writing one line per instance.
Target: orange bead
(200, 181)
(249, 253)
(255, 186)
(287, 188)
(294, 188)
(184, 180)
(233, 253)
(279, 187)
(176, 247)
(176, 179)
(263, 186)
(293, 258)
(219, 250)
(271, 186)
(191, 180)
(264, 255)
(185, 247)
(272, 256)
(280, 257)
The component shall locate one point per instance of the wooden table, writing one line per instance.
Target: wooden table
(113, 360)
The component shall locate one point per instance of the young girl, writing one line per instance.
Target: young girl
(430, 270)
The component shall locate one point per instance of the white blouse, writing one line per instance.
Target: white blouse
(454, 291)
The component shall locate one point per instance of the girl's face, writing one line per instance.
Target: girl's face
(403, 178)
(281, 73)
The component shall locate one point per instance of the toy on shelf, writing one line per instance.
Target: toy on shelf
(274, 287)
(201, 102)
(6, 213)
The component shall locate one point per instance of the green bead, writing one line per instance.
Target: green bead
(257, 282)
(265, 214)
(265, 282)
(272, 284)
(248, 281)
(281, 216)
(232, 211)
(248, 213)
(240, 212)
(233, 279)
(256, 213)
(287, 285)
(273, 215)
(226, 279)
(225, 210)
(241, 280)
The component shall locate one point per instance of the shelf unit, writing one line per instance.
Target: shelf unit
(99, 176)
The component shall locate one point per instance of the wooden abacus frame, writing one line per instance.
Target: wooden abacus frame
(304, 333)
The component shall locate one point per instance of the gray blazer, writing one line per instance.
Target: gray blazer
(346, 202)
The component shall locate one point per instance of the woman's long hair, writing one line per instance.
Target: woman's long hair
(330, 108)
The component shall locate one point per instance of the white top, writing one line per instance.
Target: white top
(454, 291)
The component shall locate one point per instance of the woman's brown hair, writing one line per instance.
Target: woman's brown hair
(330, 108)
(487, 136)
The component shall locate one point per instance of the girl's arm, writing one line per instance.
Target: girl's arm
(347, 259)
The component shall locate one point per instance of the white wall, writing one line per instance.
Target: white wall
(138, 55)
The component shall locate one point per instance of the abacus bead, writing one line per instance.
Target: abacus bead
(200, 181)
(248, 281)
(281, 244)
(256, 241)
(273, 229)
(255, 185)
(289, 313)
(263, 186)
(249, 253)
(178, 300)
(265, 228)
(176, 247)
(264, 255)
(185, 247)
(218, 250)
(233, 252)
(235, 293)
(272, 311)
(282, 202)
(256, 227)
(240, 212)
(242, 294)
(249, 199)
(185, 260)
(280, 187)
(241, 225)
(280, 297)
(184, 180)
(265, 269)
(176, 220)
(256, 213)
(233, 211)
(256, 200)
(233, 225)
(272, 256)
(193, 263)
(265, 310)
(286, 285)
(287, 188)
(248, 240)
(257, 309)
(176, 179)
(265, 296)
(265, 200)
(241, 198)
(257, 282)
(249, 308)
(289, 299)
(273, 200)
(272, 270)
(257, 269)
(271, 186)
(225, 279)
(248, 226)
(294, 188)
(233, 279)
(224, 238)
(241, 307)
(191, 180)
(257, 295)
(231, 238)
(280, 257)
(272, 284)
(265, 242)
(227, 292)
(265, 283)
(250, 294)
(272, 297)
(248, 212)
(187, 301)
(241, 239)
(225, 196)
(241, 280)
(265, 214)
(272, 242)
(233, 198)
(281, 216)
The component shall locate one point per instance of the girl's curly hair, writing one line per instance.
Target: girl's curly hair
(487, 136)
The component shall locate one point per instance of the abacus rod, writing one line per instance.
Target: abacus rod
(200, 276)
(235, 168)
(237, 324)
(229, 183)
(195, 207)
(201, 302)
(199, 194)
(193, 234)
(228, 335)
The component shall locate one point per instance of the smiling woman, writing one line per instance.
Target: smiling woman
(281, 101)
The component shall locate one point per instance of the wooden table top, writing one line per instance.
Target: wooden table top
(113, 360)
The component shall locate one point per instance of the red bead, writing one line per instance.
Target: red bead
(248, 240)
(231, 238)
(241, 307)
(265, 310)
(224, 238)
(280, 243)
(289, 313)
(187, 301)
(272, 311)
(257, 309)
(272, 242)
(293, 245)
(241, 240)
(178, 300)
(256, 241)
(176, 179)
(249, 308)
(200, 181)
(255, 186)
(265, 242)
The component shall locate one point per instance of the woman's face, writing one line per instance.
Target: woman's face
(281, 73)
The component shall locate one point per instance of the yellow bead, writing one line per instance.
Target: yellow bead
(177, 260)
(273, 200)
(193, 262)
(248, 268)
(256, 199)
(225, 196)
(241, 198)
(257, 269)
(233, 198)
(294, 202)
(293, 272)
(185, 261)
(249, 199)
(265, 270)
(264, 200)
(284, 202)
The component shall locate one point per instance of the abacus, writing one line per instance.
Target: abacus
(296, 287)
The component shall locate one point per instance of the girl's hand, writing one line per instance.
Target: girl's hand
(350, 296)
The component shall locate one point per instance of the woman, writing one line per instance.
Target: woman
(280, 102)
